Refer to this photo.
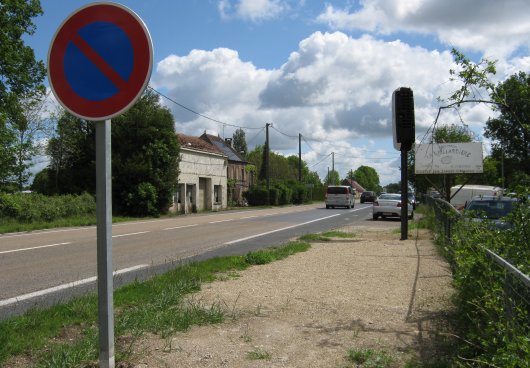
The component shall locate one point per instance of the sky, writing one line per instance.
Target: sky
(325, 70)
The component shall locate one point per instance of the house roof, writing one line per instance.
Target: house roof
(224, 147)
(197, 144)
(354, 184)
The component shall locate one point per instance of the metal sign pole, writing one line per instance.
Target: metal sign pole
(404, 196)
(104, 244)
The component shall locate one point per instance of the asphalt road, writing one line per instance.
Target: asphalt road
(43, 267)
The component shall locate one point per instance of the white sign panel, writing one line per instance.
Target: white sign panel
(448, 158)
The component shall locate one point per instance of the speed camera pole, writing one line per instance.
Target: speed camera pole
(403, 126)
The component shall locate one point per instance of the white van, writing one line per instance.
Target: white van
(340, 195)
(467, 192)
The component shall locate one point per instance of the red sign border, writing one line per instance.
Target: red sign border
(138, 34)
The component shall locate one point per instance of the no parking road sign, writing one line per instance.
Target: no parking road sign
(100, 61)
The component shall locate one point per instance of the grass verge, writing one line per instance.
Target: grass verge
(12, 226)
(67, 335)
(326, 236)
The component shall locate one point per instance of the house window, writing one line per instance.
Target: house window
(217, 193)
(242, 174)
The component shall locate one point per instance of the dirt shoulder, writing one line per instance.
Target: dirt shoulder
(372, 292)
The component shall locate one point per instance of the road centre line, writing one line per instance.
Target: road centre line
(277, 230)
(33, 248)
(216, 222)
(180, 227)
(129, 234)
(23, 297)
(244, 218)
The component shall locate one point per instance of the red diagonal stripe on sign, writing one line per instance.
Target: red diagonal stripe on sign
(100, 63)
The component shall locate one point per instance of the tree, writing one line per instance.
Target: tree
(240, 144)
(510, 131)
(280, 167)
(21, 76)
(30, 128)
(393, 187)
(145, 158)
(72, 153)
(332, 178)
(368, 178)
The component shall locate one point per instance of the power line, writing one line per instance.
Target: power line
(319, 162)
(262, 129)
(285, 134)
(198, 113)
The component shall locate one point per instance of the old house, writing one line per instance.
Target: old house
(238, 178)
(202, 182)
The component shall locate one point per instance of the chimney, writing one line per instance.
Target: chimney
(229, 142)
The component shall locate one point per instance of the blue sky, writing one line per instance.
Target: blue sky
(326, 70)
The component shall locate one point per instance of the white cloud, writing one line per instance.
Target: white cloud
(252, 10)
(334, 89)
(496, 28)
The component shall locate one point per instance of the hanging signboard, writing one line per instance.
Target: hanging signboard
(448, 158)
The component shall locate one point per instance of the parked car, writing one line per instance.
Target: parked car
(461, 195)
(367, 196)
(389, 205)
(491, 208)
(340, 196)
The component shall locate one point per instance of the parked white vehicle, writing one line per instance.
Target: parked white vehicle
(389, 205)
(340, 196)
(464, 195)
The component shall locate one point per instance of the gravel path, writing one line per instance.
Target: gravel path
(371, 292)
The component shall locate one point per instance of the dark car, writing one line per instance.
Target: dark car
(491, 208)
(368, 196)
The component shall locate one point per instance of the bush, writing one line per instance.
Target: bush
(143, 201)
(493, 313)
(35, 207)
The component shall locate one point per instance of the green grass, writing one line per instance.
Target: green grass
(368, 358)
(12, 226)
(258, 354)
(326, 236)
(66, 335)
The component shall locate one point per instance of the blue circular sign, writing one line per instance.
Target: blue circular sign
(100, 61)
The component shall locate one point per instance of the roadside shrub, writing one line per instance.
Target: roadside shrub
(493, 307)
(284, 194)
(256, 196)
(143, 200)
(35, 207)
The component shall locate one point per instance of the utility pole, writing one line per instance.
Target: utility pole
(333, 165)
(300, 157)
(267, 166)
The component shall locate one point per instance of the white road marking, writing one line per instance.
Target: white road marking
(129, 234)
(180, 227)
(23, 297)
(248, 217)
(32, 248)
(283, 228)
(216, 222)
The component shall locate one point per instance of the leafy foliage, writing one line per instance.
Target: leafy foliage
(368, 178)
(240, 143)
(21, 77)
(34, 207)
(510, 131)
(145, 158)
(493, 307)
